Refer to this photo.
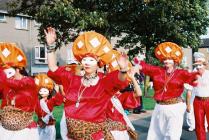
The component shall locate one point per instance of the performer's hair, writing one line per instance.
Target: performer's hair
(22, 71)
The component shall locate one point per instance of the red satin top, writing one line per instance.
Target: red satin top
(94, 99)
(51, 103)
(174, 87)
(20, 93)
(128, 101)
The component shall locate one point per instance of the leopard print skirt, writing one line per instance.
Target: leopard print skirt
(15, 119)
(118, 126)
(82, 130)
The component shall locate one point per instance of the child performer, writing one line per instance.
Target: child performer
(44, 108)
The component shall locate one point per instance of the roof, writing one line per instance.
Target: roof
(205, 43)
(3, 5)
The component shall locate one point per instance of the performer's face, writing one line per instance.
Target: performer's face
(89, 64)
(200, 67)
(10, 72)
(168, 63)
(44, 92)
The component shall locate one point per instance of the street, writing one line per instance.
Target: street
(142, 125)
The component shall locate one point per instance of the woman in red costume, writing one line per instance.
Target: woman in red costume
(87, 96)
(125, 99)
(168, 81)
(19, 96)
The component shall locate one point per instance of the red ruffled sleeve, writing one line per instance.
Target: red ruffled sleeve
(2, 77)
(56, 100)
(190, 77)
(20, 84)
(149, 70)
(60, 75)
(113, 84)
(128, 100)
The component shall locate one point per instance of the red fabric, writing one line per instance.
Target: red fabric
(51, 103)
(23, 91)
(201, 109)
(98, 136)
(174, 87)
(32, 125)
(94, 99)
(127, 100)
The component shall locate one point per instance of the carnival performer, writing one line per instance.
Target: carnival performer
(19, 96)
(87, 96)
(76, 69)
(168, 81)
(190, 119)
(201, 91)
(125, 99)
(44, 107)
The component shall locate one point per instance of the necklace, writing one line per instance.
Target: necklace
(167, 79)
(91, 80)
(80, 93)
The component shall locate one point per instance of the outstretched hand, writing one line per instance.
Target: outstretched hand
(123, 62)
(50, 35)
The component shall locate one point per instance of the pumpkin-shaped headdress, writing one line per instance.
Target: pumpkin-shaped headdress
(93, 44)
(43, 81)
(169, 50)
(11, 55)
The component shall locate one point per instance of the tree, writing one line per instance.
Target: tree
(145, 23)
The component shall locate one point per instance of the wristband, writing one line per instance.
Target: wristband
(51, 48)
(123, 71)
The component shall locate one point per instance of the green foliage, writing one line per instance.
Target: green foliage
(144, 23)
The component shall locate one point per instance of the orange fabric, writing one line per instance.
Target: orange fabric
(43, 81)
(95, 44)
(11, 55)
(169, 50)
(74, 68)
(113, 65)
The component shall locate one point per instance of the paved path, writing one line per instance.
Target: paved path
(142, 121)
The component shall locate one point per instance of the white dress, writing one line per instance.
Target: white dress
(24, 134)
(49, 132)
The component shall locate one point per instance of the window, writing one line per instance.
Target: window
(2, 17)
(21, 23)
(40, 55)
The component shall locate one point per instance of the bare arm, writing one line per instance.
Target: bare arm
(50, 36)
(137, 88)
(188, 98)
(123, 64)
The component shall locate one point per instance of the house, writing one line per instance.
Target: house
(204, 48)
(22, 30)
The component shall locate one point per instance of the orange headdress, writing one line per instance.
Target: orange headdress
(169, 50)
(93, 44)
(74, 68)
(11, 55)
(43, 81)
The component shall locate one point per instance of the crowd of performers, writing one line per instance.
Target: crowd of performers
(94, 101)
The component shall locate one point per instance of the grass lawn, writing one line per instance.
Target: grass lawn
(149, 102)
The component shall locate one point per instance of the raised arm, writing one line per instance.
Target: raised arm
(50, 36)
(123, 64)
(137, 88)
